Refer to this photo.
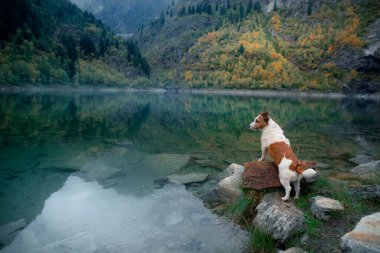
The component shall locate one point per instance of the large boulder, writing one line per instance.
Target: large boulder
(278, 218)
(360, 159)
(365, 238)
(263, 175)
(367, 168)
(321, 206)
(227, 190)
(9, 231)
(365, 192)
(232, 184)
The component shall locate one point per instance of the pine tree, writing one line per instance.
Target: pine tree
(241, 11)
(241, 49)
(249, 7)
(228, 4)
(275, 6)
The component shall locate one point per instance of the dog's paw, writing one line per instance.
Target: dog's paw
(296, 197)
(261, 160)
(285, 198)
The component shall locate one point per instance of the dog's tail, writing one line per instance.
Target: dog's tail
(310, 175)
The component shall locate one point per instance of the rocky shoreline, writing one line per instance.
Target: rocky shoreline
(183, 90)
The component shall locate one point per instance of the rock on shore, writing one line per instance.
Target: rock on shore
(321, 206)
(365, 237)
(278, 218)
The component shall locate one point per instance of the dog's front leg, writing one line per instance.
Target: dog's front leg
(263, 153)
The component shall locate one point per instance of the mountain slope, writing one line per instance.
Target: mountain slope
(295, 44)
(50, 42)
(124, 16)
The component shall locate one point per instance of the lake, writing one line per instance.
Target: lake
(80, 168)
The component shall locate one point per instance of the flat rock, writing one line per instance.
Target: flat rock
(187, 178)
(9, 231)
(367, 168)
(360, 159)
(263, 175)
(365, 237)
(321, 206)
(365, 192)
(278, 218)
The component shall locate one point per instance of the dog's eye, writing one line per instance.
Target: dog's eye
(256, 121)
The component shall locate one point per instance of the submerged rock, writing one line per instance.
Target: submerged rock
(278, 218)
(320, 206)
(187, 178)
(365, 192)
(360, 159)
(367, 168)
(98, 171)
(9, 231)
(365, 237)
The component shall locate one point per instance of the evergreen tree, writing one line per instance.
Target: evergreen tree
(222, 10)
(249, 7)
(241, 11)
(309, 7)
(241, 49)
(162, 18)
(275, 6)
(217, 6)
(228, 4)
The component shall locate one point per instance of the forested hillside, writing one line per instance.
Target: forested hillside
(54, 42)
(124, 16)
(323, 45)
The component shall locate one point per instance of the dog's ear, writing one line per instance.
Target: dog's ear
(265, 116)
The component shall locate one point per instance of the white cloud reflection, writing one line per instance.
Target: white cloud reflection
(85, 217)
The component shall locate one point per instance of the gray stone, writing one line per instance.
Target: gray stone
(9, 231)
(365, 192)
(365, 238)
(367, 168)
(294, 250)
(323, 165)
(321, 206)
(232, 184)
(227, 190)
(360, 159)
(278, 218)
(187, 178)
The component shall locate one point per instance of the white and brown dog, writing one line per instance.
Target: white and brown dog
(274, 142)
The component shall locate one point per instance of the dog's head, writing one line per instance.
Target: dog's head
(260, 121)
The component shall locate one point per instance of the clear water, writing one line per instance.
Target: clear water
(80, 168)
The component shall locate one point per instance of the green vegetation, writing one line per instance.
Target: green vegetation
(53, 42)
(262, 242)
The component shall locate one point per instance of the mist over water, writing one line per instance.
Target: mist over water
(81, 168)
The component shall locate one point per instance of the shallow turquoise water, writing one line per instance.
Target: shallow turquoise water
(74, 165)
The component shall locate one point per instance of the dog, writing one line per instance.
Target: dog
(274, 143)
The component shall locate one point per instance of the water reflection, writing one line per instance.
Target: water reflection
(85, 217)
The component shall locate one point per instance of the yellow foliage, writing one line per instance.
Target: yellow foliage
(277, 66)
(276, 22)
(210, 37)
(348, 36)
(188, 76)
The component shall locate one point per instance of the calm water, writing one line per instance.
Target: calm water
(80, 168)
